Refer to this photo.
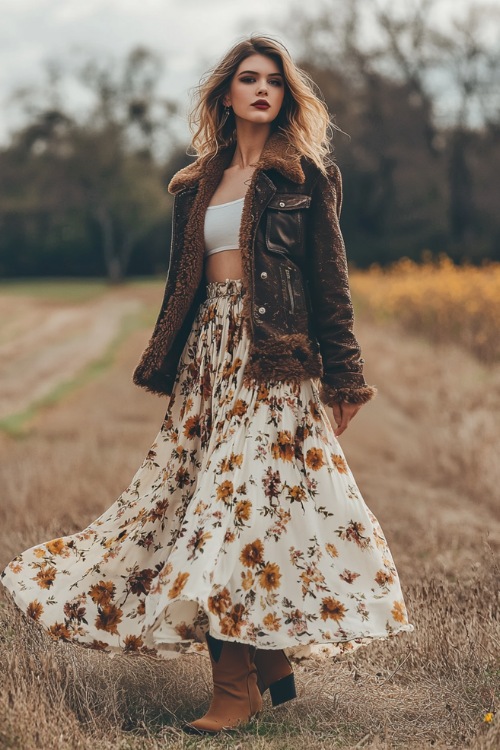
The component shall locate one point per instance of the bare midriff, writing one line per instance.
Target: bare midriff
(223, 265)
(227, 263)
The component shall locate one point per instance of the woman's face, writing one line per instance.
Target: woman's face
(256, 77)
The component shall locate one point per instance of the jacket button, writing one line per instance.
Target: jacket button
(262, 310)
(282, 204)
(263, 275)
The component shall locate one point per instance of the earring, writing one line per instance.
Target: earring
(227, 110)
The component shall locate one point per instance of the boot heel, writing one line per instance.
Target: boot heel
(283, 690)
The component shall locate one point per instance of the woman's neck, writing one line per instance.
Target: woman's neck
(249, 147)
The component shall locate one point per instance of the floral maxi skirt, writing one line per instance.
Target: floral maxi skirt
(244, 519)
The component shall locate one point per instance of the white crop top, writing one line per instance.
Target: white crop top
(222, 226)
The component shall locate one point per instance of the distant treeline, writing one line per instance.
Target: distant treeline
(85, 195)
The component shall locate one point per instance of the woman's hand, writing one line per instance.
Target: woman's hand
(343, 413)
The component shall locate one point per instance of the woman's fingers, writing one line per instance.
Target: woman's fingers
(344, 420)
(345, 413)
(337, 414)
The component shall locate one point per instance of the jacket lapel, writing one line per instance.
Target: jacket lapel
(277, 154)
(205, 174)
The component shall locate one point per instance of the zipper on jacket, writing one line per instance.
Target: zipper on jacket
(174, 203)
(290, 290)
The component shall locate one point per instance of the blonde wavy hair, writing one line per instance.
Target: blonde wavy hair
(303, 116)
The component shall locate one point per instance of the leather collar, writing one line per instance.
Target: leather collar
(278, 153)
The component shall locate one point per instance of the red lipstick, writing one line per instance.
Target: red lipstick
(261, 104)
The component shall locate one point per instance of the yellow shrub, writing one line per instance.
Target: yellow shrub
(438, 299)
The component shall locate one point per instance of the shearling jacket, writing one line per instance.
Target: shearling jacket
(297, 308)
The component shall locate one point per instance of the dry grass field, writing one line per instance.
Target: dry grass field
(424, 453)
(439, 299)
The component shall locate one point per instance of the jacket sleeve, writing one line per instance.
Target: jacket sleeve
(333, 314)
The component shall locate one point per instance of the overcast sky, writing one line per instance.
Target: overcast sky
(191, 35)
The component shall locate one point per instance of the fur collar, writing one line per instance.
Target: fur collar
(278, 153)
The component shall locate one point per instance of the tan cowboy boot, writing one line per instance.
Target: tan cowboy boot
(275, 672)
(236, 698)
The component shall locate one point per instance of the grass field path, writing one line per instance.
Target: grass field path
(424, 454)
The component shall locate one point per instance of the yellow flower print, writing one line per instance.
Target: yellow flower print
(56, 546)
(332, 550)
(188, 405)
(16, 567)
(247, 580)
(45, 577)
(74, 610)
(39, 552)
(197, 542)
(178, 585)
(332, 608)
(182, 477)
(232, 622)
(398, 611)
(59, 630)
(34, 610)
(384, 578)
(252, 554)
(102, 593)
(228, 464)
(192, 427)
(339, 463)
(263, 393)
(314, 458)
(225, 491)
(185, 631)
(200, 508)
(230, 369)
(165, 571)
(314, 410)
(159, 511)
(140, 581)
(109, 618)
(239, 408)
(297, 493)
(272, 622)
(349, 576)
(284, 448)
(269, 576)
(220, 603)
(242, 510)
(133, 643)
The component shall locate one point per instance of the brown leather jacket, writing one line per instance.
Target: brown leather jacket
(297, 307)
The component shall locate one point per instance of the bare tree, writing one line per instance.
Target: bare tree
(450, 73)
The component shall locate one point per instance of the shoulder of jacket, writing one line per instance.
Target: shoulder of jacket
(188, 175)
(314, 173)
(333, 170)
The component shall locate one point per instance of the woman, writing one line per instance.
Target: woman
(244, 527)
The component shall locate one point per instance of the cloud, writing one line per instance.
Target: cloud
(190, 35)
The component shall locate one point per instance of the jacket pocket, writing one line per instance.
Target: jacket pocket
(293, 291)
(285, 222)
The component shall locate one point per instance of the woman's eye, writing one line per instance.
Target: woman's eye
(249, 79)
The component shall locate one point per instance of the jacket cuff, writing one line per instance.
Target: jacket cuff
(352, 395)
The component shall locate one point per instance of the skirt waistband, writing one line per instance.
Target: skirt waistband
(226, 288)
